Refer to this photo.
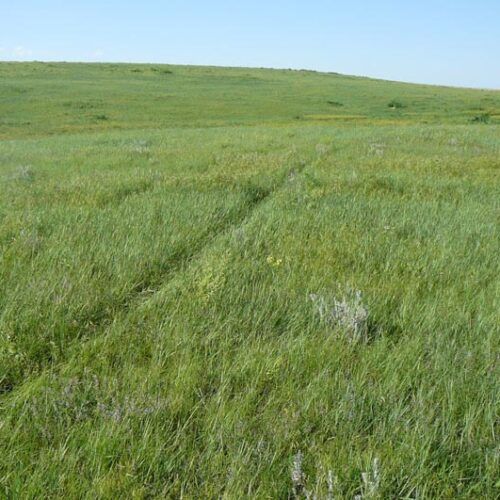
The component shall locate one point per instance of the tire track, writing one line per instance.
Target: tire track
(156, 276)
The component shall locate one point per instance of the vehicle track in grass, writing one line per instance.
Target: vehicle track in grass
(155, 277)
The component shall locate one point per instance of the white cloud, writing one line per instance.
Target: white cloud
(21, 52)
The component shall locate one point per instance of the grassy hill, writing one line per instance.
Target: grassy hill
(242, 283)
(39, 99)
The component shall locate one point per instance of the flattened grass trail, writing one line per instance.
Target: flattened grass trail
(163, 229)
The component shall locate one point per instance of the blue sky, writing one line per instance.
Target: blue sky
(454, 42)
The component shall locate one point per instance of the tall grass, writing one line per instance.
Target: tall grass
(180, 316)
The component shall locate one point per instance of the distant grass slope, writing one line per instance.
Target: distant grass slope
(46, 98)
(180, 251)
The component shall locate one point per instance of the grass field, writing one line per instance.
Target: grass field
(244, 283)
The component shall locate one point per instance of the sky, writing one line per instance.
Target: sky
(448, 42)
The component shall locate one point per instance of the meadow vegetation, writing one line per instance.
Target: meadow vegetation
(246, 283)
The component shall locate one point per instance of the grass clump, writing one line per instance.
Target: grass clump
(482, 118)
(394, 104)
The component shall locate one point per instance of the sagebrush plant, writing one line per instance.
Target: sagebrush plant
(349, 313)
(157, 338)
(369, 488)
(371, 481)
(298, 476)
(24, 173)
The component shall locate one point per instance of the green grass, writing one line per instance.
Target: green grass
(162, 231)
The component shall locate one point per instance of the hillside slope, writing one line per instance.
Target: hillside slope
(38, 99)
